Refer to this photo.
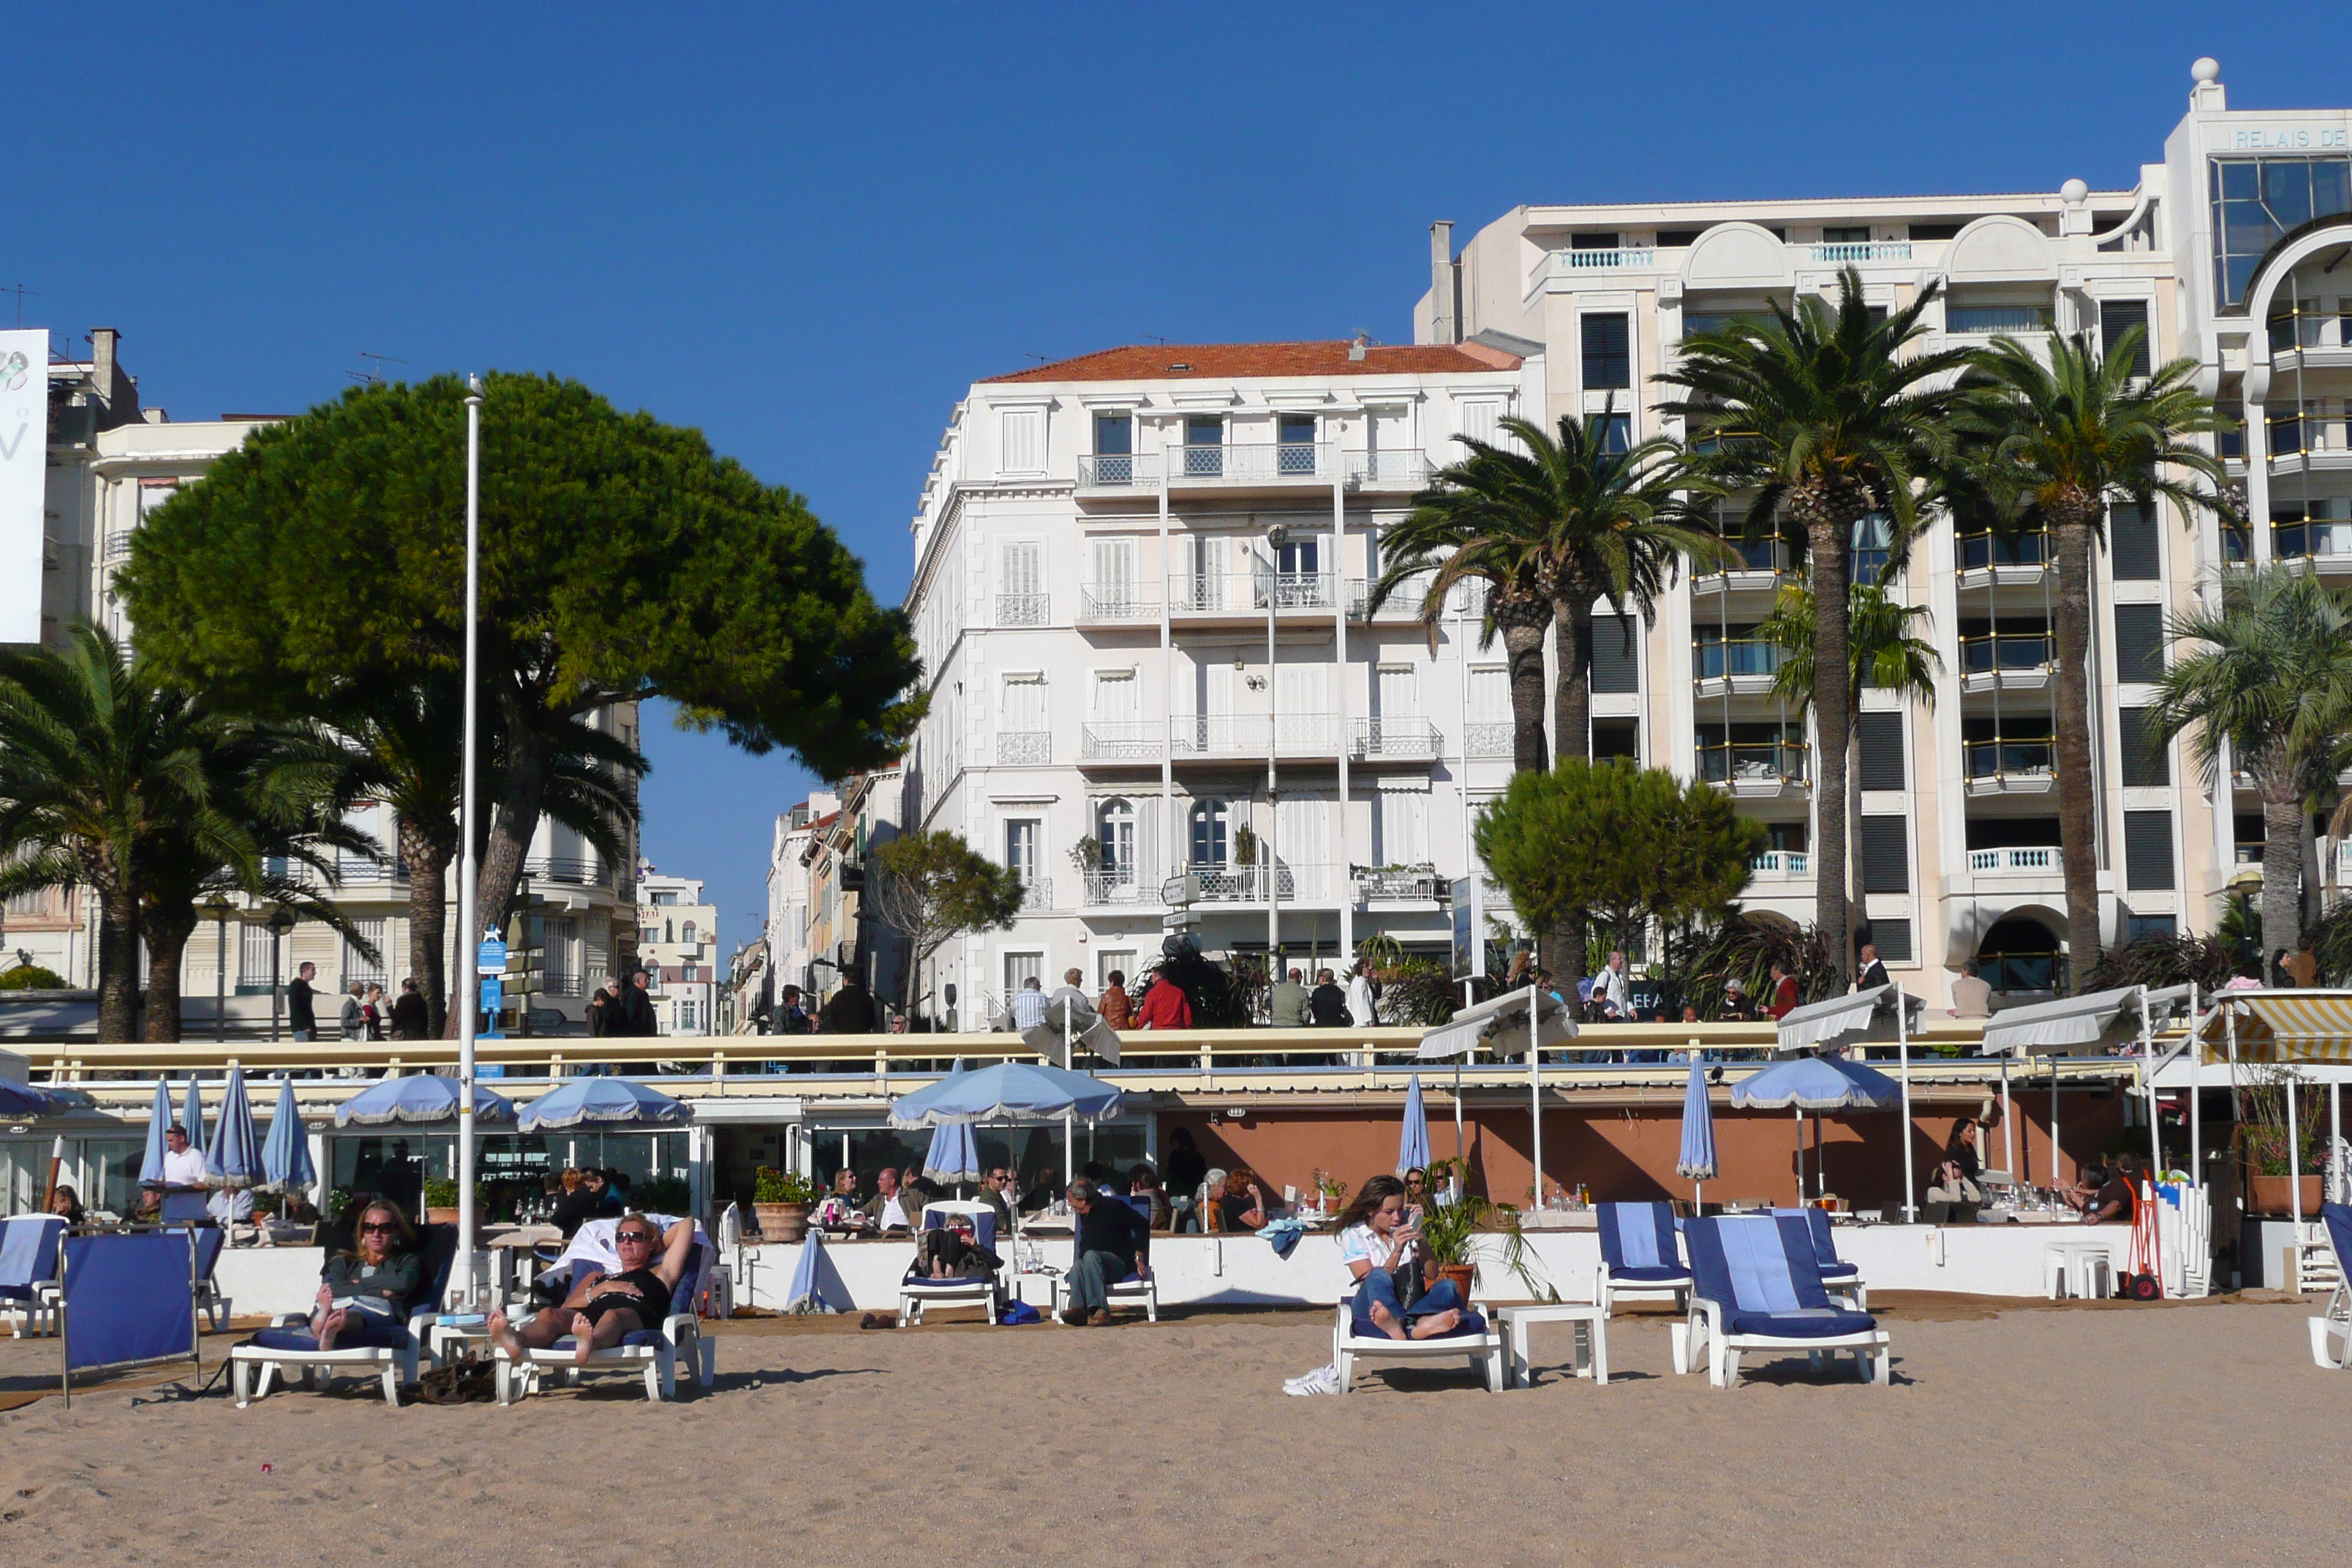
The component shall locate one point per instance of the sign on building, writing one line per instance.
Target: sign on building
(24, 478)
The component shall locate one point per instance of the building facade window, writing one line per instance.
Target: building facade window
(2258, 200)
(1210, 819)
(1608, 352)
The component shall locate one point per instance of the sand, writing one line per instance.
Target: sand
(2197, 1433)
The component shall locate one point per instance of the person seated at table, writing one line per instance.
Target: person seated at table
(994, 1184)
(1225, 1210)
(2112, 1203)
(1143, 1182)
(364, 1300)
(1112, 1241)
(583, 1201)
(1416, 1195)
(602, 1308)
(1952, 1190)
(66, 1202)
(1116, 1009)
(891, 1207)
(2100, 1197)
(1381, 1252)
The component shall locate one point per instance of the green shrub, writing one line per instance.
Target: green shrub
(31, 977)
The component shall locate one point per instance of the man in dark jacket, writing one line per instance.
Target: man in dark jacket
(851, 1009)
(408, 1014)
(1328, 1004)
(302, 1010)
(636, 1021)
(1113, 1242)
(602, 1005)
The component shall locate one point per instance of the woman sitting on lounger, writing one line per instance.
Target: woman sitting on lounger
(365, 1298)
(1378, 1246)
(603, 1307)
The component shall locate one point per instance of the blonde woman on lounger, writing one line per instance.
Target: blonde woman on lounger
(604, 1308)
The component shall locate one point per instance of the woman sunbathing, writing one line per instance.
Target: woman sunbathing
(365, 1298)
(604, 1308)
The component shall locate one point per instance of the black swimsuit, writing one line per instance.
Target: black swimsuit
(651, 1305)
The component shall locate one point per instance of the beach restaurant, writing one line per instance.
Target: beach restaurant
(1597, 1116)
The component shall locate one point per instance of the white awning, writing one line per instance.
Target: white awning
(1504, 1019)
(2050, 1028)
(1847, 1018)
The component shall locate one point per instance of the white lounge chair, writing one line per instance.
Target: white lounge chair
(1756, 1287)
(1639, 1255)
(1134, 1290)
(915, 1291)
(289, 1345)
(1482, 1351)
(2331, 1331)
(29, 1271)
(658, 1353)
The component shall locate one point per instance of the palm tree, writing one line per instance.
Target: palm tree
(1886, 656)
(2055, 446)
(1826, 415)
(2272, 682)
(97, 765)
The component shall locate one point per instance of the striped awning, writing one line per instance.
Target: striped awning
(2281, 1026)
(1865, 1015)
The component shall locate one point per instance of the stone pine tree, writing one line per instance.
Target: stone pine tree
(622, 560)
(931, 888)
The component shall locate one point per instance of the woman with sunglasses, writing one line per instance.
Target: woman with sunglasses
(602, 1308)
(365, 1299)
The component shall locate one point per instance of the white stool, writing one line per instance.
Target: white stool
(2084, 1269)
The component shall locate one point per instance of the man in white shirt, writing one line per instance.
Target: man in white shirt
(1029, 1006)
(892, 1207)
(184, 1163)
(1614, 988)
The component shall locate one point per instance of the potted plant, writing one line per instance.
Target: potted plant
(2270, 1161)
(1448, 1230)
(781, 1200)
(441, 1200)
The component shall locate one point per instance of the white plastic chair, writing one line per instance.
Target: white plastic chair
(1483, 1351)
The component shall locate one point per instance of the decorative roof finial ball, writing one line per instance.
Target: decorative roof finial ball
(2205, 70)
(2073, 191)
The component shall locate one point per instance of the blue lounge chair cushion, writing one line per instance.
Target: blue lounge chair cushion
(360, 1335)
(1811, 1323)
(1840, 1271)
(1657, 1276)
(1638, 1236)
(2338, 1218)
(1472, 1326)
(1131, 1279)
(285, 1339)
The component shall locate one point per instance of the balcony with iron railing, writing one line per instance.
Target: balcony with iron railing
(1403, 603)
(1023, 748)
(1390, 470)
(2032, 860)
(2325, 545)
(2308, 436)
(1022, 609)
(2012, 660)
(352, 868)
(1264, 463)
(1230, 884)
(1117, 604)
(1761, 565)
(1391, 738)
(1743, 666)
(1118, 470)
(1214, 735)
(569, 872)
(2022, 766)
(1780, 865)
(1988, 559)
(1229, 595)
(1488, 738)
(1766, 768)
(1037, 894)
(1115, 740)
(1394, 885)
(1114, 886)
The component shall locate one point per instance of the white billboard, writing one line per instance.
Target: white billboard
(23, 481)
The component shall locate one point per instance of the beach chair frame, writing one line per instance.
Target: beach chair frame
(682, 1346)
(916, 1292)
(1135, 1290)
(1483, 1351)
(38, 1302)
(2331, 1331)
(253, 1366)
(1872, 1347)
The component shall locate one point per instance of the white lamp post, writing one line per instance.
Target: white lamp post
(468, 911)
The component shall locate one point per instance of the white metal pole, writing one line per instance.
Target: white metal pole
(1903, 1056)
(1273, 786)
(468, 910)
(2054, 1124)
(2293, 1159)
(2335, 1140)
(2008, 1136)
(2196, 1095)
(1535, 1081)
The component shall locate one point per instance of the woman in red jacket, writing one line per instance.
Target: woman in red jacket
(1165, 1005)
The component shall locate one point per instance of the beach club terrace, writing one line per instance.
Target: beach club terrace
(1292, 1107)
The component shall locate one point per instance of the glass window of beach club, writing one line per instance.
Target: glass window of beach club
(514, 1166)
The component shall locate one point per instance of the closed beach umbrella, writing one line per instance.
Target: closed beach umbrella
(1816, 1084)
(427, 1097)
(234, 1158)
(286, 1156)
(603, 1102)
(1413, 1144)
(151, 1168)
(1696, 1160)
(954, 1154)
(192, 1113)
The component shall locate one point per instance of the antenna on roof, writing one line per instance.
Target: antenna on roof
(19, 290)
(1149, 339)
(1039, 358)
(373, 377)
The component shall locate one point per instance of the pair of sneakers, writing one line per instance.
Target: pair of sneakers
(1324, 1379)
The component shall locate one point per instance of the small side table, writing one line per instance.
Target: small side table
(450, 1343)
(1590, 1352)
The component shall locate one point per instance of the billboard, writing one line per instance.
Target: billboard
(23, 481)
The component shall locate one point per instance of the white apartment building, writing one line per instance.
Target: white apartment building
(111, 464)
(1119, 653)
(791, 900)
(1156, 691)
(677, 942)
(2230, 251)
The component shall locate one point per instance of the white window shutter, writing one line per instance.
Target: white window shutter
(1479, 418)
(1024, 569)
(1021, 433)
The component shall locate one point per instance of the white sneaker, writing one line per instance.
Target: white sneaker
(1322, 1380)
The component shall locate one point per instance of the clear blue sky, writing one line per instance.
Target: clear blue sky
(806, 230)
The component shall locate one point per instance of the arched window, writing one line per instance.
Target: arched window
(1210, 818)
(1114, 831)
(690, 930)
(2020, 953)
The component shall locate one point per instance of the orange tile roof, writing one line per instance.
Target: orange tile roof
(1223, 362)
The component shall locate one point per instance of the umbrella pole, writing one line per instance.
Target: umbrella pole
(1535, 1085)
(2053, 1124)
(2196, 1093)
(2293, 1162)
(2148, 1083)
(1801, 1151)
(2007, 1138)
(1903, 1145)
(1457, 1110)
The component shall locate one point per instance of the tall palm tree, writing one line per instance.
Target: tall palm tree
(1886, 656)
(2055, 446)
(2269, 675)
(1831, 417)
(97, 765)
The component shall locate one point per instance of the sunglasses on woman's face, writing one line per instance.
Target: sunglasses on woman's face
(635, 1235)
(380, 1229)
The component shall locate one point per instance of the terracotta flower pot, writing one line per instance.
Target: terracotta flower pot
(441, 1215)
(782, 1222)
(1462, 1274)
(2268, 1194)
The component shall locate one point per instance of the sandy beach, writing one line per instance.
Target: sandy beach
(2195, 1434)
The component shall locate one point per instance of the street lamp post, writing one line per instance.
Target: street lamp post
(219, 909)
(468, 911)
(281, 921)
(1275, 538)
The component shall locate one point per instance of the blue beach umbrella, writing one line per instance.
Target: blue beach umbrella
(192, 1115)
(910, 1104)
(1816, 1084)
(151, 1168)
(603, 1102)
(954, 1154)
(1008, 1091)
(427, 1097)
(1413, 1144)
(285, 1157)
(1696, 1160)
(234, 1157)
(22, 1100)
